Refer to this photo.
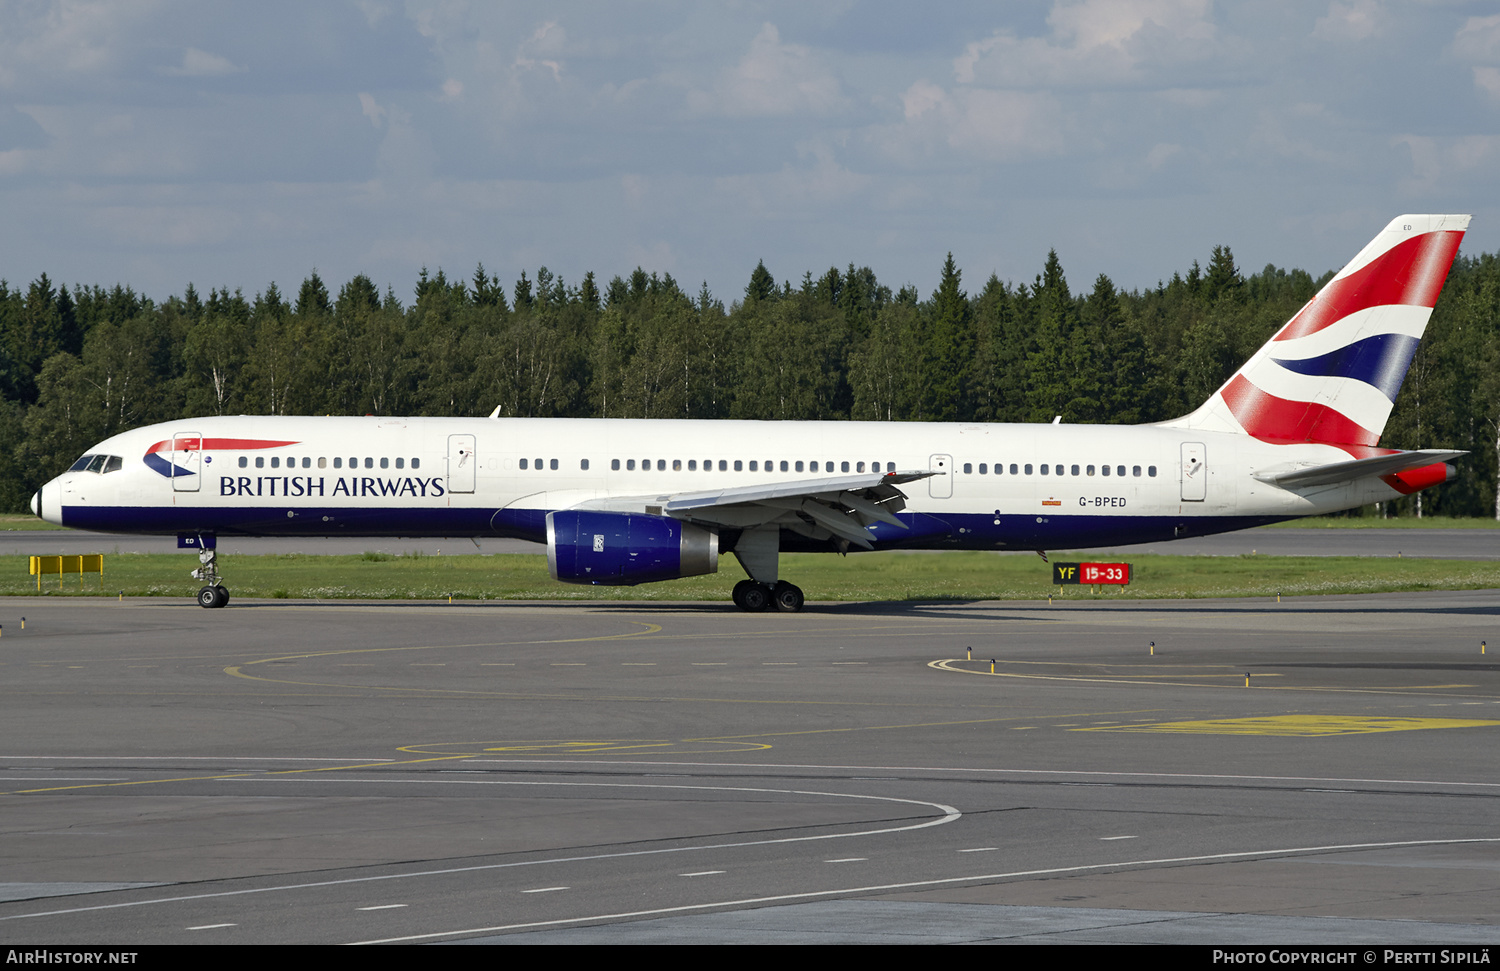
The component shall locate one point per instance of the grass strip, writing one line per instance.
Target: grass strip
(860, 577)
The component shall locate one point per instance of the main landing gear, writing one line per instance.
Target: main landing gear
(215, 594)
(754, 597)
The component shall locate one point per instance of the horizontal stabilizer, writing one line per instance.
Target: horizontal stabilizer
(1321, 475)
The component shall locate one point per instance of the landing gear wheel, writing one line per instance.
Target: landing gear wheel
(223, 595)
(739, 593)
(208, 597)
(755, 598)
(788, 597)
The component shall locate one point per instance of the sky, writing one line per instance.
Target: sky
(156, 143)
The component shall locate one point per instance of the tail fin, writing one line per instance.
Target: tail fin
(1332, 373)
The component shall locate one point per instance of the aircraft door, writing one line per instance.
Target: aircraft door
(186, 458)
(461, 463)
(1194, 472)
(940, 486)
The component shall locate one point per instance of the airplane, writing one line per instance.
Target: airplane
(1294, 432)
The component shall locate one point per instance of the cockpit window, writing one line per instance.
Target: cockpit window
(98, 463)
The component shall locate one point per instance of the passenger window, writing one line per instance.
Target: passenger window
(1135, 470)
(539, 465)
(583, 464)
(630, 465)
(1104, 469)
(982, 468)
(785, 469)
(968, 468)
(859, 466)
(416, 463)
(677, 465)
(400, 463)
(692, 465)
(614, 465)
(799, 465)
(385, 462)
(1044, 470)
(1090, 470)
(243, 462)
(724, 465)
(552, 465)
(752, 465)
(260, 461)
(369, 462)
(338, 462)
(843, 466)
(890, 466)
(1119, 470)
(1028, 469)
(1151, 471)
(322, 462)
(661, 465)
(275, 462)
(523, 465)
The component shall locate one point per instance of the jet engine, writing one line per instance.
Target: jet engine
(623, 549)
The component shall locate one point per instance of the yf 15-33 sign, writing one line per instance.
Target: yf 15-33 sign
(1091, 573)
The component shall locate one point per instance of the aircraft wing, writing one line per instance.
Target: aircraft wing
(842, 507)
(1337, 472)
(836, 507)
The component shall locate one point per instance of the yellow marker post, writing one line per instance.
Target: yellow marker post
(1153, 649)
(970, 655)
(992, 665)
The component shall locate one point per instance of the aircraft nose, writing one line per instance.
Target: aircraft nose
(36, 503)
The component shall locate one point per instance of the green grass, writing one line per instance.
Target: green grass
(24, 520)
(1375, 522)
(862, 577)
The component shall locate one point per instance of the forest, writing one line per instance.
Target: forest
(78, 365)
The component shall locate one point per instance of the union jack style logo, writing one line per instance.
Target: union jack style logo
(192, 443)
(1331, 375)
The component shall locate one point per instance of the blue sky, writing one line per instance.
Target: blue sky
(231, 144)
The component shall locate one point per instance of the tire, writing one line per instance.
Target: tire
(739, 593)
(208, 597)
(755, 598)
(788, 597)
(223, 596)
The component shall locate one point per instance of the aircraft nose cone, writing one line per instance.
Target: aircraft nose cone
(36, 503)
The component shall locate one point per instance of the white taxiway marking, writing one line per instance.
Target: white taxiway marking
(949, 815)
(1106, 838)
(981, 849)
(381, 907)
(848, 859)
(702, 873)
(544, 889)
(210, 927)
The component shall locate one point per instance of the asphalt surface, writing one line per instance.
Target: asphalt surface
(282, 771)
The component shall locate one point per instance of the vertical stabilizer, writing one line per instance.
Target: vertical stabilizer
(1331, 374)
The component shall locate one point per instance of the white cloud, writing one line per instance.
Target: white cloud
(772, 78)
(371, 109)
(201, 64)
(1487, 79)
(1094, 42)
(1352, 21)
(1478, 39)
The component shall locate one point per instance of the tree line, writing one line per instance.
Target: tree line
(79, 365)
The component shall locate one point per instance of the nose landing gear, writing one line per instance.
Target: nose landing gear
(215, 594)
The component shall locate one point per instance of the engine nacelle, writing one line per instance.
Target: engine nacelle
(622, 549)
